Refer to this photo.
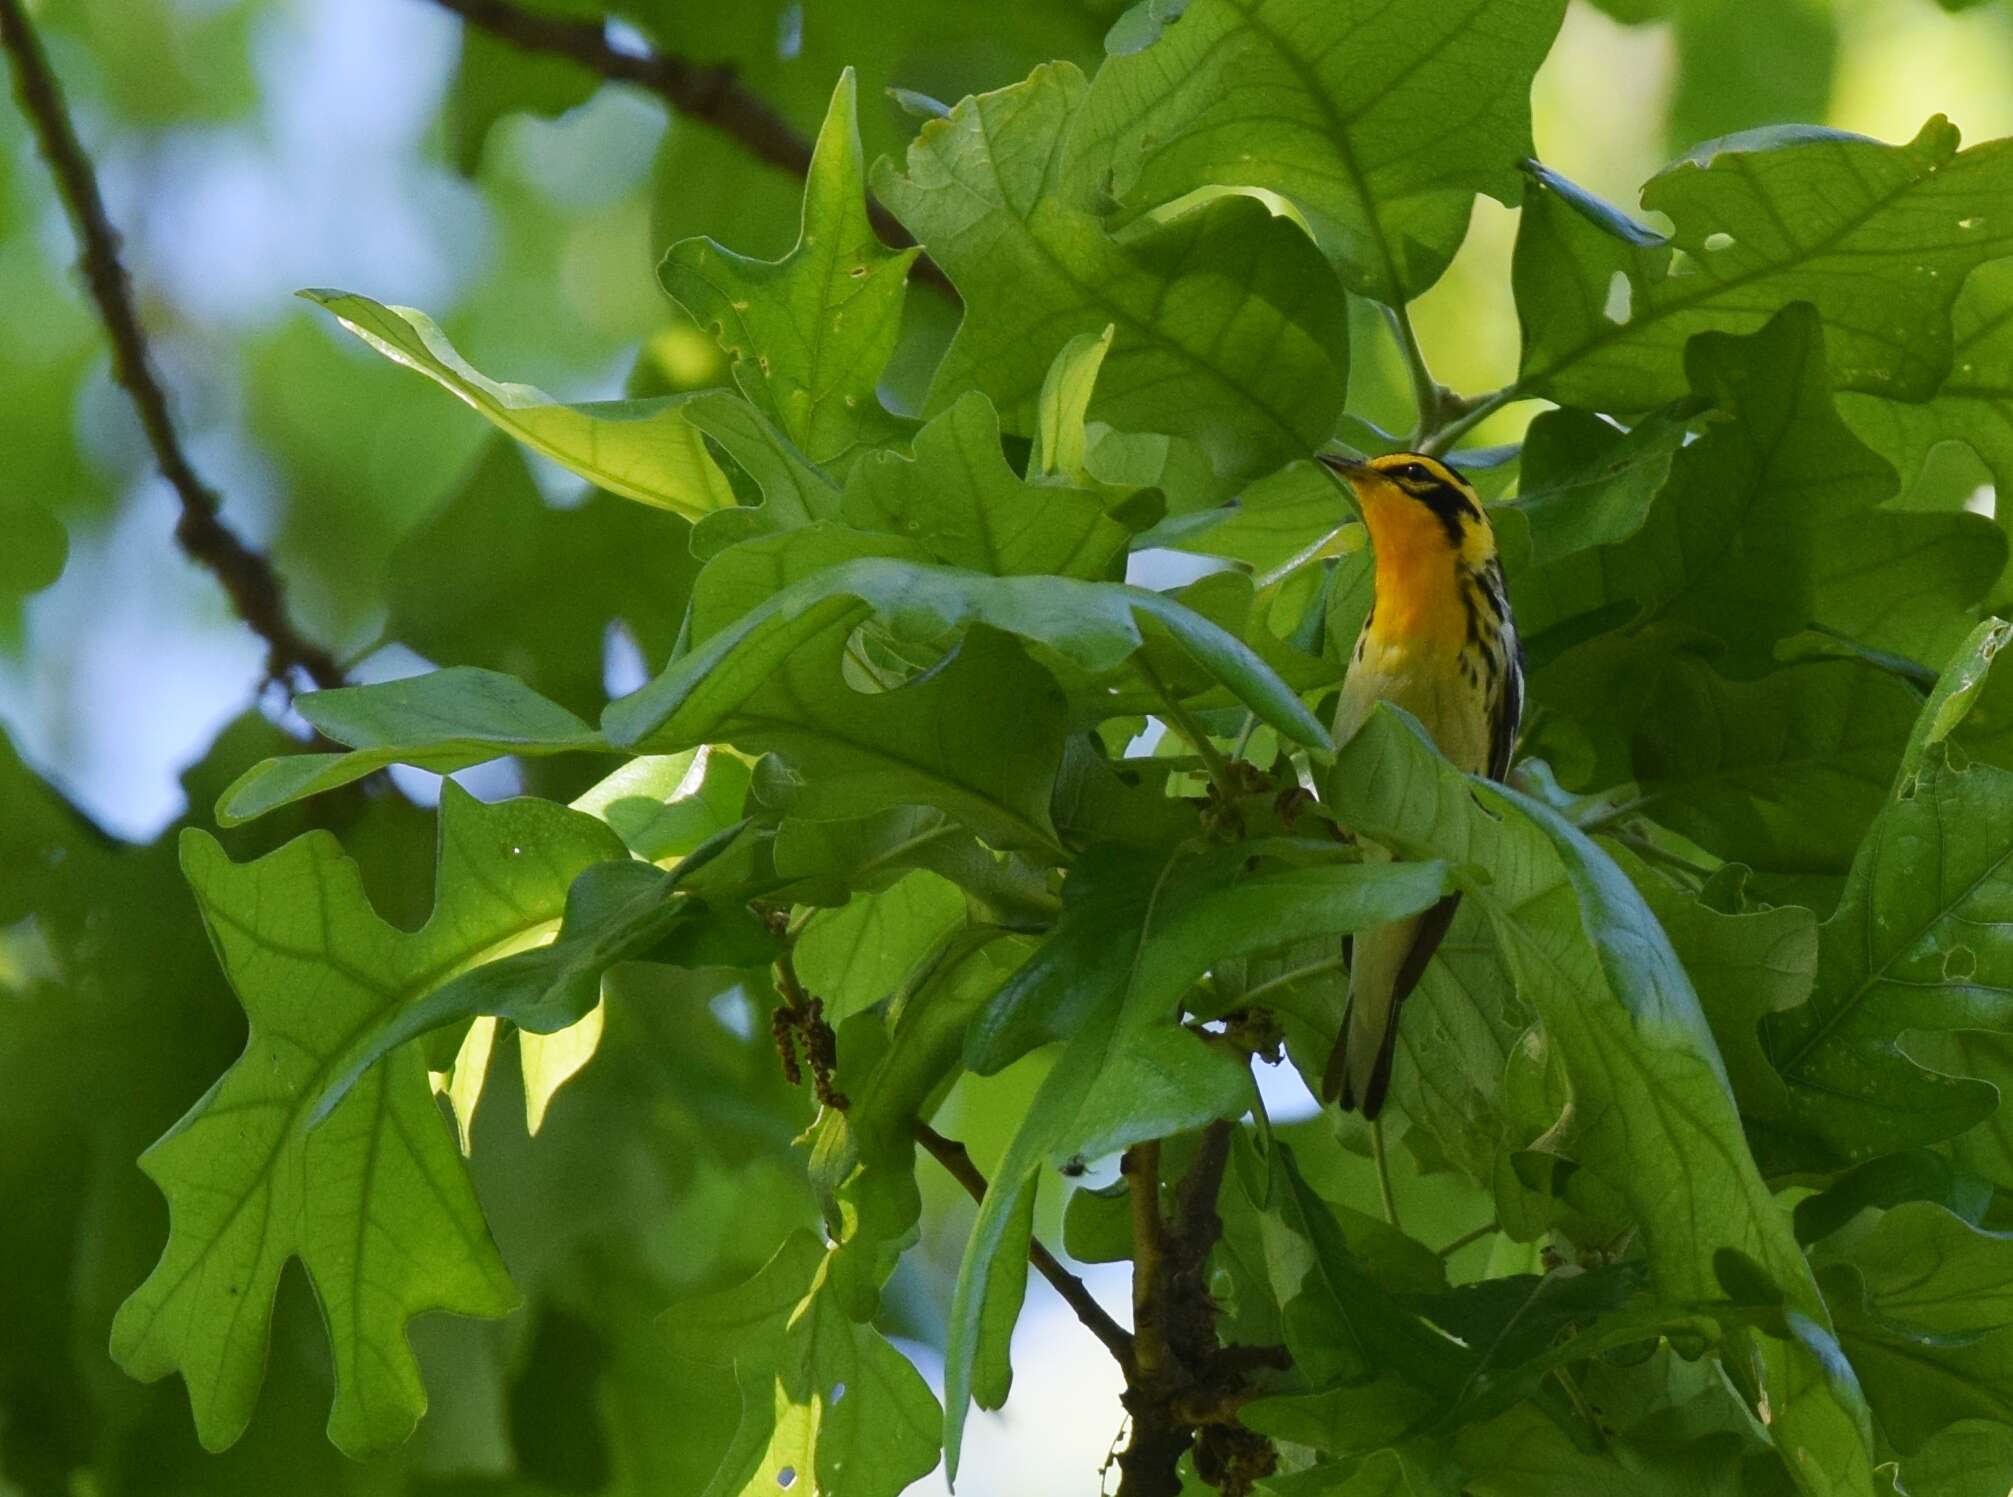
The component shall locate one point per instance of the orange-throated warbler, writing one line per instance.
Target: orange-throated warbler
(1439, 642)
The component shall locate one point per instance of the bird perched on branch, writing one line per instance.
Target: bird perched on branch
(1439, 642)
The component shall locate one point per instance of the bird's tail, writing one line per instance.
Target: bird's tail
(1359, 1067)
(1386, 965)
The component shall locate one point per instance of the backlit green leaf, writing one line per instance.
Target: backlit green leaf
(1378, 122)
(1230, 329)
(641, 449)
(373, 1202)
(811, 332)
(1878, 237)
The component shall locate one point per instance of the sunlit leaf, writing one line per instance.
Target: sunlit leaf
(1230, 330)
(374, 1202)
(1877, 237)
(641, 449)
(811, 332)
(1378, 122)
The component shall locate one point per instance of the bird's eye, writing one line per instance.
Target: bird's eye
(1416, 472)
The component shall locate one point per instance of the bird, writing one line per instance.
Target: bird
(1440, 642)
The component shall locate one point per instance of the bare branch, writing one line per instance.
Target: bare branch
(247, 576)
(699, 91)
(953, 1156)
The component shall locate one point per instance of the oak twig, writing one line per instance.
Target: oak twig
(709, 92)
(956, 1159)
(1188, 1386)
(246, 575)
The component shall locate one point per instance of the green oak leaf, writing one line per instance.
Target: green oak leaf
(1925, 1314)
(1770, 521)
(664, 805)
(1784, 773)
(1889, 1180)
(1970, 706)
(1919, 942)
(373, 1202)
(1378, 122)
(442, 721)
(811, 332)
(1744, 967)
(1878, 237)
(1973, 406)
(1583, 485)
(959, 500)
(641, 449)
(771, 625)
(1969, 1458)
(1655, 1117)
(1135, 932)
(1230, 330)
(856, 955)
(824, 1401)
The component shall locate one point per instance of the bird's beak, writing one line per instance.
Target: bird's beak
(1336, 463)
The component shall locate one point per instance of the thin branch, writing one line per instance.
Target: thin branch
(1472, 415)
(1427, 396)
(1142, 1174)
(1488, 1229)
(701, 91)
(1185, 725)
(247, 576)
(955, 1158)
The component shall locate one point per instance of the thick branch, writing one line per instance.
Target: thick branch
(699, 91)
(246, 575)
(954, 1157)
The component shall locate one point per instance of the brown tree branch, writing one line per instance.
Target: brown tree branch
(954, 1157)
(247, 576)
(1189, 1386)
(699, 91)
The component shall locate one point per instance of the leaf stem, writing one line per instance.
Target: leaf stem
(1474, 415)
(1287, 979)
(1488, 1229)
(1427, 395)
(1182, 722)
(957, 1160)
(1383, 1163)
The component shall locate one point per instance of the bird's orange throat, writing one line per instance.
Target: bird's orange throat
(1418, 576)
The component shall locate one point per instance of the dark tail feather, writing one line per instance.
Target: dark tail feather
(1335, 1086)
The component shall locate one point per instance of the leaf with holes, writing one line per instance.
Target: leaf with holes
(1878, 238)
(1923, 940)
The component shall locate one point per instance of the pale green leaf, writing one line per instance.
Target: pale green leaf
(959, 500)
(373, 1202)
(640, 449)
(811, 332)
(442, 721)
